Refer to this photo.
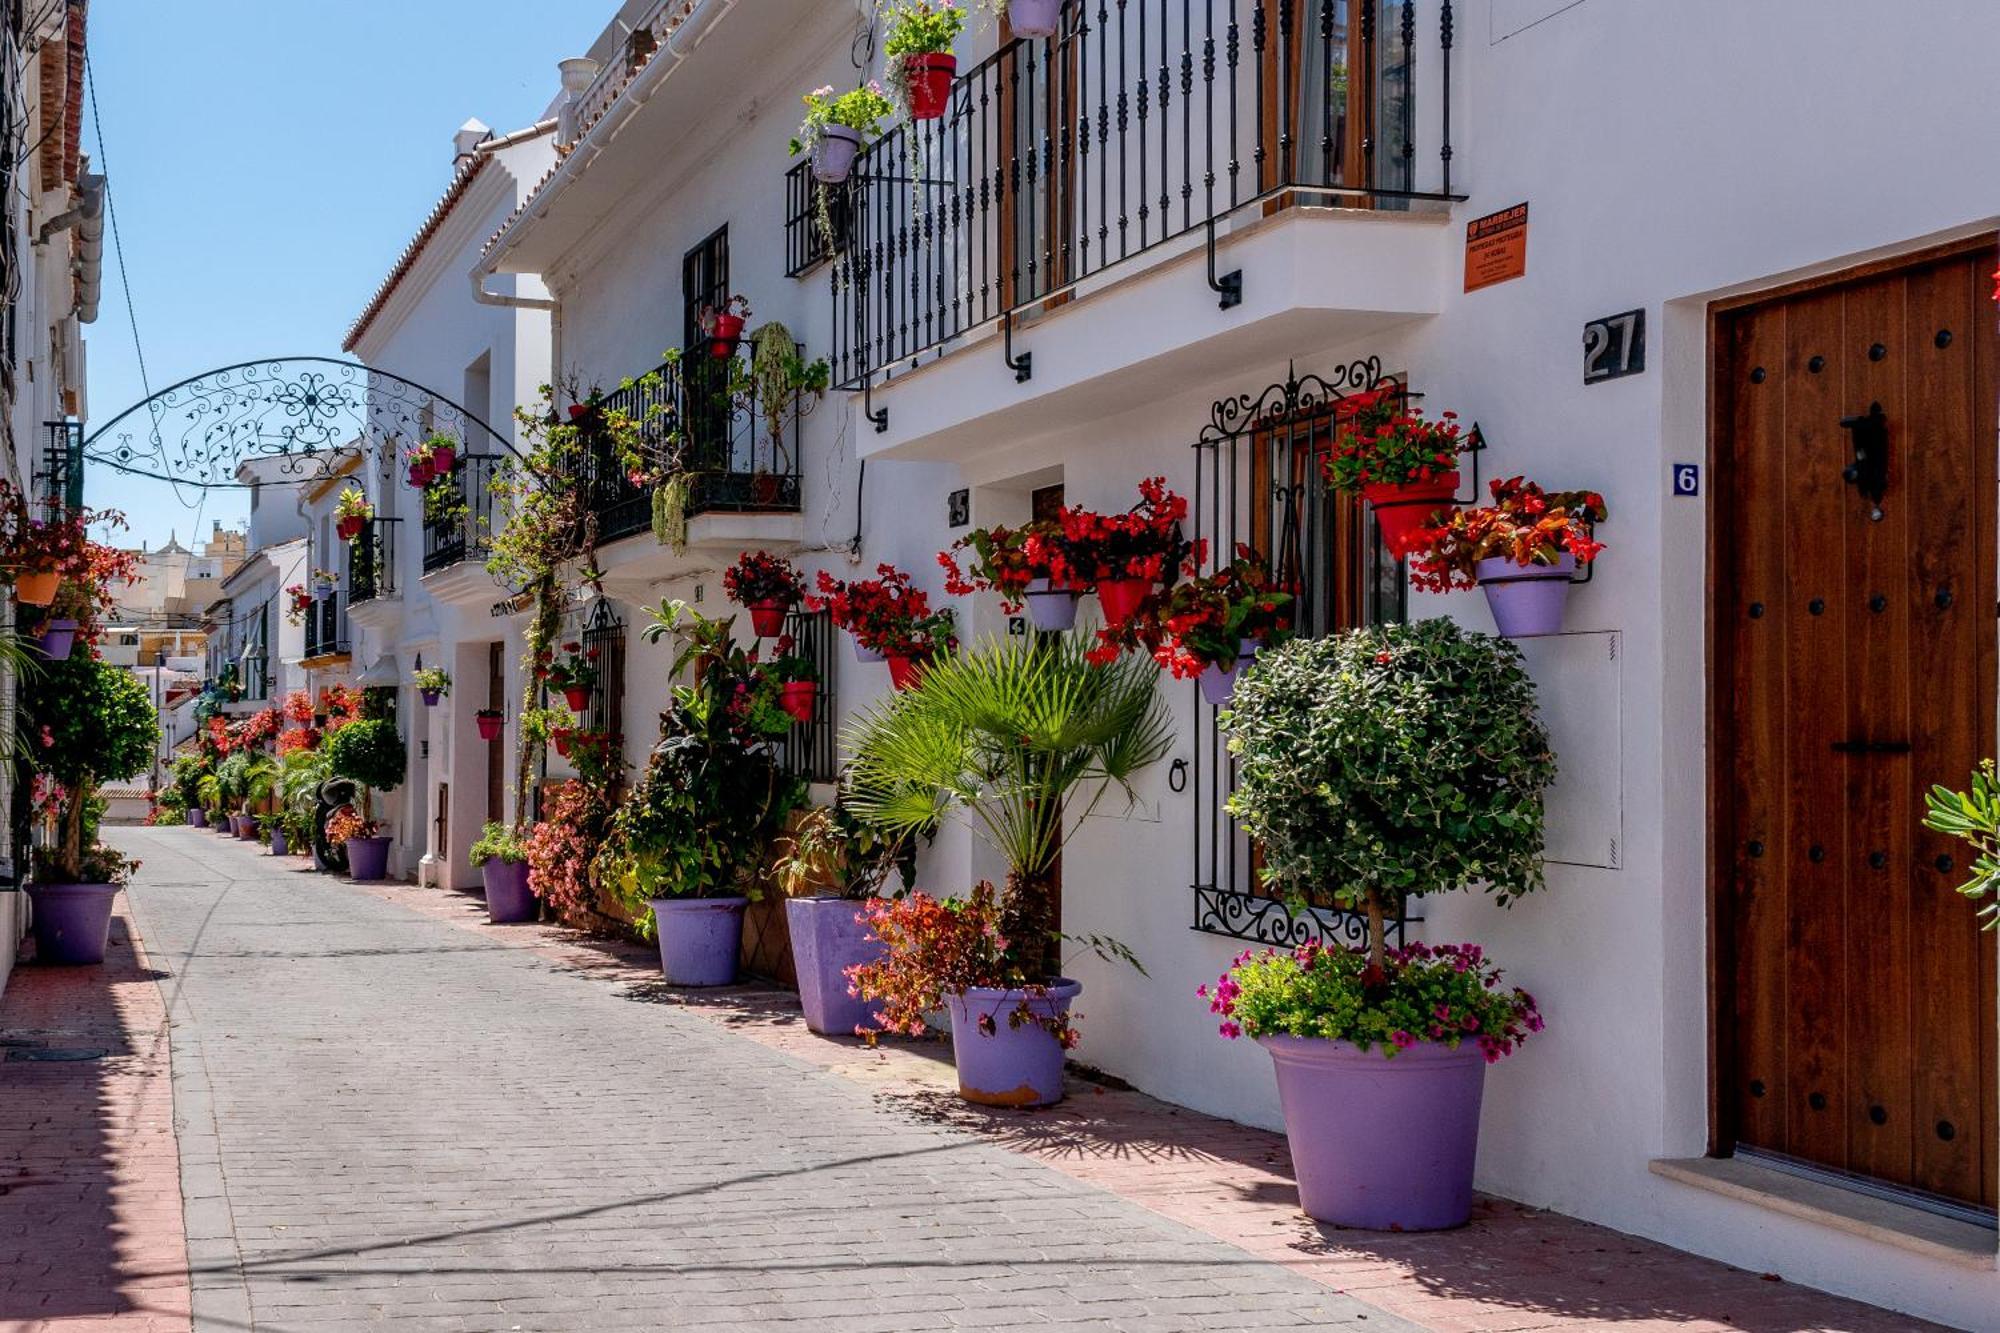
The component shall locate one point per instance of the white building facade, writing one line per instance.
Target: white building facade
(1671, 289)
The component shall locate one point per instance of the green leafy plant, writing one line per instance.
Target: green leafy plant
(90, 723)
(860, 109)
(829, 850)
(920, 27)
(1384, 764)
(1973, 817)
(352, 502)
(1019, 735)
(497, 842)
(370, 753)
(433, 678)
(301, 774)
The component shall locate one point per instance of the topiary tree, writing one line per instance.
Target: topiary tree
(370, 753)
(1384, 764)
(88, 723)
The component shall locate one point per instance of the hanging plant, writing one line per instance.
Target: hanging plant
(434, 683)
(722, 325)
(1522, 550)
(768, 585)
(838, 126)
(878, 613)
(1405, 466)
(351, 512)
(917, 47)
(1125, 556)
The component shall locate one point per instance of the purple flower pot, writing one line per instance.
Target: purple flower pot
(431, 697)
(243, 826)
(55, 640)
(507, 895)
(1011, 1066)
(699, 939)
(862, 654)
(1218, 683)
(1383, 1143)
(1526, 600)
(826, 941)
(1034, 18)
(834, 152)
(368, 858)
(279, 846)
(1051, 610)
(72, 921)
(197, 817)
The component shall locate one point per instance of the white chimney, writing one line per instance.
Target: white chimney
(577, 74)
(470, 135)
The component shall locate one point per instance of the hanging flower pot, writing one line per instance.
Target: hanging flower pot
(1051, 609)
(1526, 600)
(929, 76)
(834, 153)
(863, 653)
(36, 587)
(562, 740)
(348, 528)
(724, 336)
(1034, 18)
(767, 617)
(488, 720)
(1219, 683)
(55, 640)
(443, 456)
(1120, 598)
(905, 671)
(796, 697)
(421, 472)
(1403, 510)
(323, 592)
(577, 697)
(431, 697)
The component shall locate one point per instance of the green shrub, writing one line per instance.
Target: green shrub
(497, 842)
(369, 752)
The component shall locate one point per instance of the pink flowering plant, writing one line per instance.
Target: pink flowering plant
(1442, 995)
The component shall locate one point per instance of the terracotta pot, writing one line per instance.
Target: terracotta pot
(577, 697)
(489, 726)
(767, 618)
(796, 697)
(1405, 510)
(929, 77)
(36, 587)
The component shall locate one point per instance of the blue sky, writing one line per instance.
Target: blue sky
(268, 161)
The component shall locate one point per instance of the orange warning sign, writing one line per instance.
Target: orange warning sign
(1496, 247)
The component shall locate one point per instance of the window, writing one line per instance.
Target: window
(705, 378)
(810, 751)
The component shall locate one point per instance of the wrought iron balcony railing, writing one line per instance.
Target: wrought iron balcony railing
(59, 471)
(326, 627)
(1142, 122)
(738, 452)
(458, 514)
(371, 561)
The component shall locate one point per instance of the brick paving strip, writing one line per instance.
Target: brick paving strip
(90, 1197)
(1514, 1268)
(389, 1119)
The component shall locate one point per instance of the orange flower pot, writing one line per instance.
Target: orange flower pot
(36, 587)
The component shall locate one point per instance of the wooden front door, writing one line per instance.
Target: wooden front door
(1854, 633)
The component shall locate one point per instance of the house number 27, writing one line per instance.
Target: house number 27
(1613, 346)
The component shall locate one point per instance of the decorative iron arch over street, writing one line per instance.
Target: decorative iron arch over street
(311, 413)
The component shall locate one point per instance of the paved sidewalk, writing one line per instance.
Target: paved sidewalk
(390, 1119)
(90, 1198)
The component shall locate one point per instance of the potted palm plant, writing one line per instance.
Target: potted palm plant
(94, 723)
(369, 753)
(1522, 551)
(1381, 1053)
(838, 126)
(684, 852)
(502, 857)
(917, 46)
(1019, 735)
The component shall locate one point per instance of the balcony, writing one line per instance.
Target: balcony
(1222, 182)
(326, 629)
(371, 562)
(740, 456)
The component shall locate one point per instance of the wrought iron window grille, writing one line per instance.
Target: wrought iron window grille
(810, 751)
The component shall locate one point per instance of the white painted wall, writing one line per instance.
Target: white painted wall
(1670, 154)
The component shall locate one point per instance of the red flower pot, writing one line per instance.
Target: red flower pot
(905, 671)
(768, 618)
(36, 587)
(722, 339)
(562, 745)
(1121, 598)
(929, 77)
(420, 475)
(443, 456)
(577, 697)
(1402, 511)
(489, 726)
(348, 528)
(796, 698)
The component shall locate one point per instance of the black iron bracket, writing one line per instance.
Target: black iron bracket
(877, 416)
(1023, 366)
(1229, 286)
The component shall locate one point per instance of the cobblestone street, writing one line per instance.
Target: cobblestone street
(389, 1112)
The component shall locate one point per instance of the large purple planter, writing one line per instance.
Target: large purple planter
(55, 640)
(507, 895)
(72, 921)
(699, 939)
(834, 152)
(1011, 1066)
(197, 817)
(1526, 600)
(826, 941)
(368, 858)
(1382, 1143)
(279, 845)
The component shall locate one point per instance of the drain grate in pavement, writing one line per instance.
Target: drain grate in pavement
(57, 1053)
